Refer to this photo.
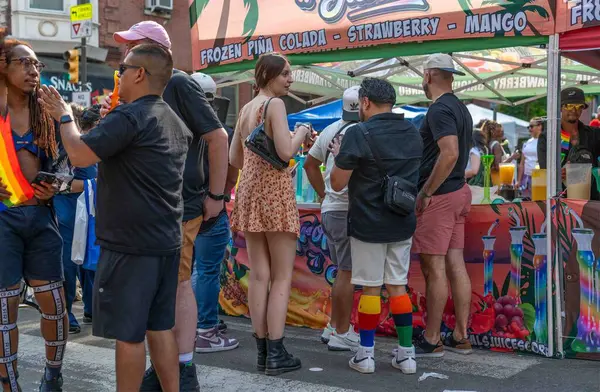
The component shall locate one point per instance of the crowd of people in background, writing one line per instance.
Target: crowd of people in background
(165, 164)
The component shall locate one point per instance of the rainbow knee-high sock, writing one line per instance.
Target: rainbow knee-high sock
(369, 308)
(401, 308)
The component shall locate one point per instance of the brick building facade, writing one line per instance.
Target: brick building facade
(117, 15)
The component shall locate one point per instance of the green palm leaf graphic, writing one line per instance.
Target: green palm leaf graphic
(251, 20)
(196, 10)
(466, 6)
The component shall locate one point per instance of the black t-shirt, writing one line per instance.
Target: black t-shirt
(185, 96)
(400, 148)
(589, 139)
(446, 116)
(142, 146)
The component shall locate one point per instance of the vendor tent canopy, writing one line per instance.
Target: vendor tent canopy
(509, 77)
(229, 35)
(578, 25)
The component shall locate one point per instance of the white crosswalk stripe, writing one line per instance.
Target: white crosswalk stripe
(93, 365)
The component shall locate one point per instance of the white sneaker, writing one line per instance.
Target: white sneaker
(326, 335)
(343, 342)
(405, 360)
(354, 336)
(364, 360)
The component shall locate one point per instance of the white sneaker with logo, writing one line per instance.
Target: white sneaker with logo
(326, 335)
(213, 341)
(344, 342)
(405, 360)
(364, 360)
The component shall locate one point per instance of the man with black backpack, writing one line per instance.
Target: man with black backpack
(339, 335)
(379, 161)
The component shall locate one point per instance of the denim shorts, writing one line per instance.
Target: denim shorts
(30, 245)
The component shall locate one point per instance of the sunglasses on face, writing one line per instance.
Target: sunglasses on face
(125, 67)
(531, 126)
(28, 62)
(573, 106)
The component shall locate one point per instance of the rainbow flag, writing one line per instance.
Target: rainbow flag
(10, 170)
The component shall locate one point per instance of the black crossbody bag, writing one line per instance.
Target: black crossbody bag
(262, 145)
(399, 195)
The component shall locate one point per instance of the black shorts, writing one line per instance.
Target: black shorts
(30, 245)
(134, 294)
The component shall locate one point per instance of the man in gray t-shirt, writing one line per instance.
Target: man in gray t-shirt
(339, 334)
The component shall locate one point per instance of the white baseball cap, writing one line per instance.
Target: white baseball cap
(207, 83)
(350, 102)
(443, 62)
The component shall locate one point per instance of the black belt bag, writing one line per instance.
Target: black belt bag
(399, 195)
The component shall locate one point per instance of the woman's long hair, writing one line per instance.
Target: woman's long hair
(40, 120)
(479, 142)
(488, 128)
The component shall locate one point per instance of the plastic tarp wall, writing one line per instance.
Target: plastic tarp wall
(322, 116)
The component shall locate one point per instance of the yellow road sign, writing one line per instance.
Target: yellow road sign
(81, 12)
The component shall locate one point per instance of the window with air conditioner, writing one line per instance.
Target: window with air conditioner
(47, 5)
(159, 5)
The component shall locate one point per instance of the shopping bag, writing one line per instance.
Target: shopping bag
(80, 231)
(92, 250)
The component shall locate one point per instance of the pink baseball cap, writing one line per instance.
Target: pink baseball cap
(142, 30)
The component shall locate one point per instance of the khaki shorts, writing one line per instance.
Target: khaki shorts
(376, 264)
(189, 234)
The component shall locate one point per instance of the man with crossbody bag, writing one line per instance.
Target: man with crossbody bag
(339, 335)
(379, 161)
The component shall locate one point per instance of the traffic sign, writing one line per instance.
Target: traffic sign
(81, 12)
(82, 98)
(81, 29)
(81, 21)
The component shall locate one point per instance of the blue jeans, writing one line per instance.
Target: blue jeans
(209, 252)
(86, 277)
(72, 272)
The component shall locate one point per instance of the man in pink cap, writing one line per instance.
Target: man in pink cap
(202, 191)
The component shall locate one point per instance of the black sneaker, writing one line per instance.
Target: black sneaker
(424, 349)
(87, 318)
(150, 382)
(73, 329)
(188, 380)
(222, 326)
(54, 385)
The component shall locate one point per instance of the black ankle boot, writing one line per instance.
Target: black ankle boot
(279, 360)
(261, 346)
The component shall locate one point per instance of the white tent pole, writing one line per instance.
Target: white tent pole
(377, 69)
(552, 178)
(235, 82)
(491, 78)
(361, 69)
(486, 84)
(297, 98)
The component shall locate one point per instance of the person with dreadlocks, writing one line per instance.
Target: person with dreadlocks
(30, 243)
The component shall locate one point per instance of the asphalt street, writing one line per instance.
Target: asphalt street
(89, 366)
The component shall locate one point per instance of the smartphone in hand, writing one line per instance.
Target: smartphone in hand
(48, 178)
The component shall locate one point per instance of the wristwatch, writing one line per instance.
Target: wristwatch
(216, 197)
(65, 119)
